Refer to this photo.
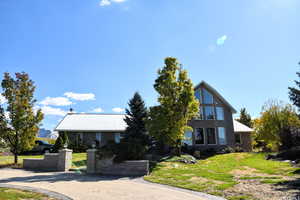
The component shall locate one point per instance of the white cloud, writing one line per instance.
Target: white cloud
(80, 97)
(108, 2)
(118, 1)
(98, 110)
(118, 110)
(3, 100)
(104, 3)
(47, 110)
(56, 101)
(221, 40)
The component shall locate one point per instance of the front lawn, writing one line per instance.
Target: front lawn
(227, 175)
(78, 160)
(14, 194)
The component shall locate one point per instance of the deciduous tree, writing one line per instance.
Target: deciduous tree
(276, 126)
(19, 123)
(177, 104)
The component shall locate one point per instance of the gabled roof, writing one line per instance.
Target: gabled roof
(239, 127)
(216, 93)
(92, 122)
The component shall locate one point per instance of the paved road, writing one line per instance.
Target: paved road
(88, 187)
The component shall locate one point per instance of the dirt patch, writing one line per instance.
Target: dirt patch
(197, 180)
(242, 172)
(260, 191)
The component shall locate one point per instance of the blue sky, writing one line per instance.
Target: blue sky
(93, 55)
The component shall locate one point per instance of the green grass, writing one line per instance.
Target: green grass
(78, 160)
(218, 173)
(14, 194)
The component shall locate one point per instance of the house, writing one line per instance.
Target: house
(214, 128)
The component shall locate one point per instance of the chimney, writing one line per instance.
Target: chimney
(71, 110)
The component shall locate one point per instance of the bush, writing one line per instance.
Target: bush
(131, 149)
(61, 141)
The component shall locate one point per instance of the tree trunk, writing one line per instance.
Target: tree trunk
(16, 158)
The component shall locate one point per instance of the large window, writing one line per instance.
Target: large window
(221, 135)
(188, 138)
(199, 136)
(237, 138)
(220, 113)
(209, 112)
(211, 135)
(198, 95)
(207, 97)
(117, 137)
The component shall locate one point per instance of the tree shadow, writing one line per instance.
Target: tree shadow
(64, 176)
(293, 186)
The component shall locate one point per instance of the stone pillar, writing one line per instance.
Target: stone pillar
(91, 161)
(64, 160)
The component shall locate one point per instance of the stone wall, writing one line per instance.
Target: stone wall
(107, 167)
(61, 161)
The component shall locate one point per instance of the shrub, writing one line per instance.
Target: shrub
(61, 141)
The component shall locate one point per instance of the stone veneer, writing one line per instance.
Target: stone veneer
(61, 161)
(107, 167)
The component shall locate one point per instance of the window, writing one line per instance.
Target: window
(188, 138)
(220, 113)
(98, 137)
(221, 135)
(207, 97)
(201, 117)
(209, 112)
(237, 138)
(117, 137)
(198, 95)
(211, 135)
(199, 136)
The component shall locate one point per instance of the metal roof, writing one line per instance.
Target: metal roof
(92, 122)
(239, 127)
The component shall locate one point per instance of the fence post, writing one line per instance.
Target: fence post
(91, 161)
(64, 160)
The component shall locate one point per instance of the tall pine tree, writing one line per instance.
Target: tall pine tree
(294, 92)
(19, 123)
(245, 118)
(135, 119)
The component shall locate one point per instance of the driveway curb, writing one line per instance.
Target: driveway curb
(49, 193)
(200, 194)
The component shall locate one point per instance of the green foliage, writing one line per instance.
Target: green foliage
(275, 125)
(245, 118)
(135, 119)
(294, 92)
(177, 104)
(15, 194)
(218, 173)
(61, 141)
(21, 126)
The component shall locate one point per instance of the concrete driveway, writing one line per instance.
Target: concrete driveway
(92, 187)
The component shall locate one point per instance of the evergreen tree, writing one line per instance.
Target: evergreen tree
(294, 93)
(19, 124)
(245, 118)
(177, 105)
(135, 119)
(61, 141)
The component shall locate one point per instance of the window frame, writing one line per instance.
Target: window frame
(216, 142)
(223, 113)
(213, 109)
(225, 138)
(240, 136)
(204, 137)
